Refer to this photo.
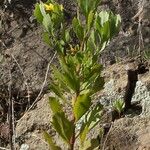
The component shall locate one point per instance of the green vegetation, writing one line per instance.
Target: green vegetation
(146, 54)
(119, 105)
(78, 76)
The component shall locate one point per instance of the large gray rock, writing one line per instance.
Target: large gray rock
(142, 94)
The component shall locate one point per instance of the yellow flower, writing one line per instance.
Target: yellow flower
(49, 7)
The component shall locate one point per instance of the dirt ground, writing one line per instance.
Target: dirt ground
(24, 59)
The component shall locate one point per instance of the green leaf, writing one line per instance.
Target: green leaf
(97, 38)
(115, 21)
(81, 105)
(42, 9)
(60, 77)
(57, 90)
(87, 5)
(47, 23)
(94, 70)
(84, 6)
(72, 82)
(90, 20)
(46, 38)
(105, 32)
(91, 120)
(63, 126)
(37, 13)
(67, 77)
(118, 105)
(104, 17)
(83, 134)
(107, 25)
(93, 116)
(55, 105)
(67, 36)
(78, 29)
(91, 45)
(57, 20)
(59, 48)
(49, 140)
(92, 144)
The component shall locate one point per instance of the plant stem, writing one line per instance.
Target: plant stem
(73, 138)
(72, 141)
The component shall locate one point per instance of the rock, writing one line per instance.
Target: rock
(29, 127)
(143, 95)
(24, 147)
(110, 94)
(127, 133)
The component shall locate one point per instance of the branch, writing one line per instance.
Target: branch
(43, 85)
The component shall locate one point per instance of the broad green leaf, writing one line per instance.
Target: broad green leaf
(83, 134)
(90, 20)
(66, 68)
(37, 13)
(42, 9)
(84, 6)
(79, 57)
(46, 38)
(67, 36)
(91, 120)
(57, 20)
(57, 90)
(92, 144)
(104, 17)
(78, 29)
(72, 82)
(91, 45)
(59, 48)
(93, 116)
(107, 24)
(50, 142)
(102, 26)
(87, 5)
(68, 77)
(55, 105)
(47, 23)
(63, 126)
(81, 106)
(105, 32)
(94, 70)
(57, 75)
(97, 38)
(115, 21)
(93, 5)
(96, 3)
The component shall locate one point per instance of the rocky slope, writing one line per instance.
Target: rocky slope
(25, 59)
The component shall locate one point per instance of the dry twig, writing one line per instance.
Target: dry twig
(24, 76)
(2, 148)
(106, 138)
(43, 85)
(11, 116)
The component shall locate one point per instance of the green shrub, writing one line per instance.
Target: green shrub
(79, 76)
